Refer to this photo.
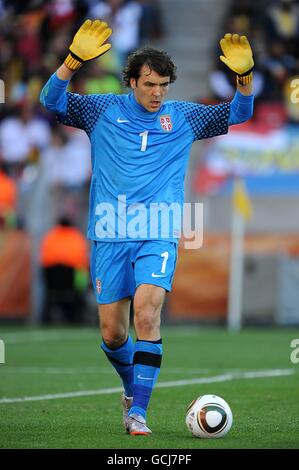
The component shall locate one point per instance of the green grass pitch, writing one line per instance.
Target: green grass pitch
(252, 370)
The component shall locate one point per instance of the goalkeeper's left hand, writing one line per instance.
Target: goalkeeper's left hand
(237, 53)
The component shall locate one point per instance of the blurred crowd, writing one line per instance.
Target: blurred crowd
(272, 28)
(34, 40)
(45, 167)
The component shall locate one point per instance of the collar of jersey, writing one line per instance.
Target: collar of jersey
(134, 108)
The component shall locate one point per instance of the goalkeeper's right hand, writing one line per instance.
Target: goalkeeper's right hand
(88, 43)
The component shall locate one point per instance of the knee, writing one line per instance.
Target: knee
(146, 315)
(113, 339)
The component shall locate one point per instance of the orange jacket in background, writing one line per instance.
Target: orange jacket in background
(8, 193)
(64, 245)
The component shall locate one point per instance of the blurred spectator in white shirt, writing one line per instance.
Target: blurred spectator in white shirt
(65, 172)
(22, 136)
(66, 162)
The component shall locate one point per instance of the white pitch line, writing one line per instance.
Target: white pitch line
(83, 393)
(175, 383)
(57, 370)
(87, 370)
(58, 335)
(42, 337)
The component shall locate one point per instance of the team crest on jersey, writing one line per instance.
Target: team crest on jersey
(99, 286)
(166, 123)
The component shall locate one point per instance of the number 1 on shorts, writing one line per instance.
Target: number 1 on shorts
(164, 255)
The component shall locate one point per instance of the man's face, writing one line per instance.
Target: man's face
(150, 89)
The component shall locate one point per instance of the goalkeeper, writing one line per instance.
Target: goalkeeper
(140, 146)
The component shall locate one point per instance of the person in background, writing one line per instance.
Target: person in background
(8, 199)
(64, 260)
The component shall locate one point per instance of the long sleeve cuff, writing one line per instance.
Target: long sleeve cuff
(241, 108)
(53, 94)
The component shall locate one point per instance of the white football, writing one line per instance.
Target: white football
(209, 416)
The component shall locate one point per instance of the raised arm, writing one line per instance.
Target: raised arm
(237, 55)
(87, 44)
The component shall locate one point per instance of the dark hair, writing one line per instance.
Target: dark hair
(157, 60)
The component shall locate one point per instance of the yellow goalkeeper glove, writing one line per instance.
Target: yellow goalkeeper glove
(238, 56)
(88, 43)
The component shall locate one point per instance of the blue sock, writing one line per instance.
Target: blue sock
(147, 362)
(122, 360)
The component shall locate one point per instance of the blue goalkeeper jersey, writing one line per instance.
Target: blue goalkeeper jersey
(139, 159)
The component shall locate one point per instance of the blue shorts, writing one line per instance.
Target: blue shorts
(117, 269)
